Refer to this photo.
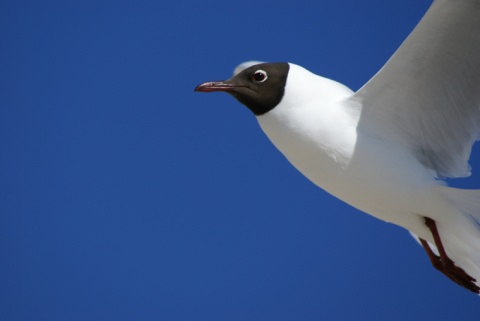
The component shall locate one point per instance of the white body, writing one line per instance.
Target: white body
(361, 170)
(319, 136)
(386, 148)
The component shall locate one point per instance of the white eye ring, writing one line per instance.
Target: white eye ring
(259, 76)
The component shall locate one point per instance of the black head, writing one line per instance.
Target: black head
(260, 87)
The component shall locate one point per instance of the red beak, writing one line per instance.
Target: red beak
(214, 86)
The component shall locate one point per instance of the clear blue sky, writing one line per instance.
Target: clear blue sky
(124, 195)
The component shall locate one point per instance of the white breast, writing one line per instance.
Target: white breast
(317, 132)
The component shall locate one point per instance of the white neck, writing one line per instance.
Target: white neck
(313, 107)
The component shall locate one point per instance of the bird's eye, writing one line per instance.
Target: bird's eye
(259, 76)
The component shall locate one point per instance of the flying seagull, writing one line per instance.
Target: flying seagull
(387, 148)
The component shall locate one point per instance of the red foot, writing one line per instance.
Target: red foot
(444, 264)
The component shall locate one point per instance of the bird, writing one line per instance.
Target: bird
(388, 148)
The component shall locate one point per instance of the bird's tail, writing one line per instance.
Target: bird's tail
(466, 200)
(461, 235)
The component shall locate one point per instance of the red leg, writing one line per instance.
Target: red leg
(444, 264)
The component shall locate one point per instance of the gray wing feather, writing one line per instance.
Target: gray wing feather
(427, 96)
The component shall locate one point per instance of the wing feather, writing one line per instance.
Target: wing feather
(427, 96)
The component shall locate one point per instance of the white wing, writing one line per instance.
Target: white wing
(427, 96)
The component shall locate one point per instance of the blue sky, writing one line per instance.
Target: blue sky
(124, 195)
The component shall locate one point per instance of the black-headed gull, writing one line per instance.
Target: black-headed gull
(386, 148)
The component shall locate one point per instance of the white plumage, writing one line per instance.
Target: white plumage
(384, 148)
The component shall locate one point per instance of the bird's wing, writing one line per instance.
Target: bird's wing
(427, 96)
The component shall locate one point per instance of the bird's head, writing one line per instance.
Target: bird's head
(260, 87)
